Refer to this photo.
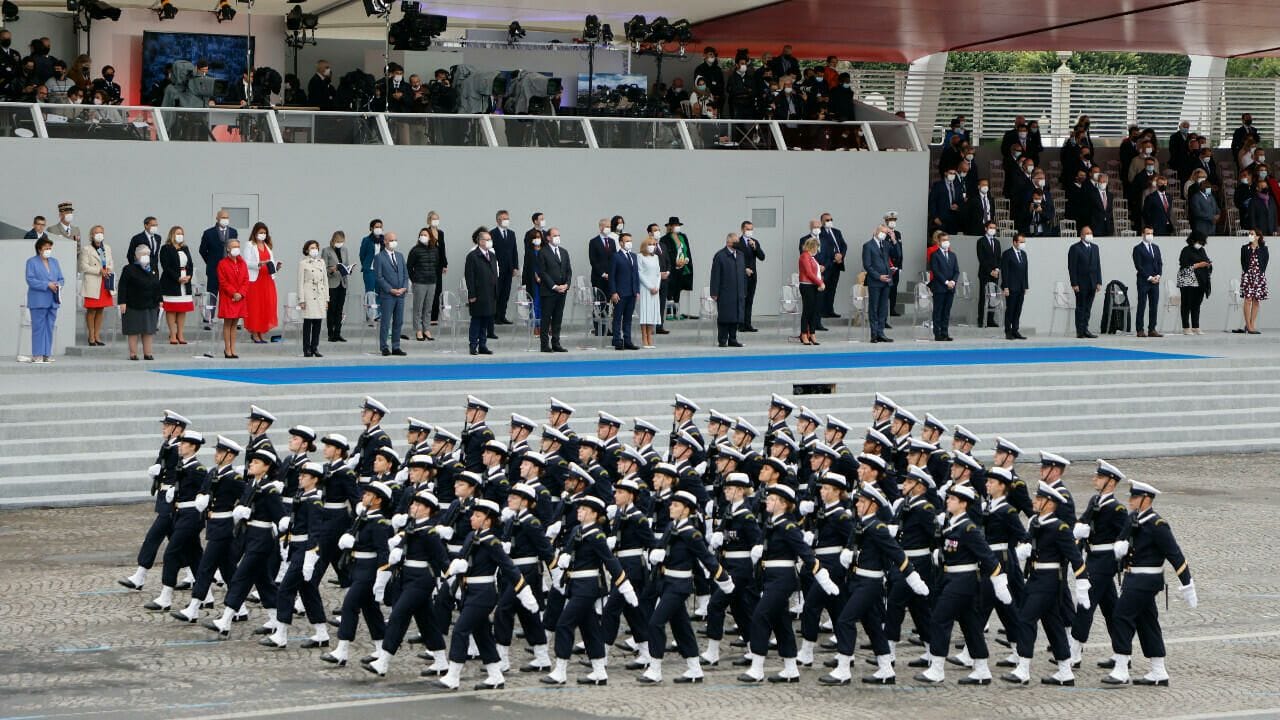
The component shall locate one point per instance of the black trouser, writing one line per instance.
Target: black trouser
(671, 610)
(579, 613)
(1102, 596)
(504, 294)
(893, 294)
(183, 549)
(771, 617)
(740, 604)
(333, 316)
(957, 602)
(509, 608)
(473, 624)
(865, 606)
(816, 600)
(1148, 296)
(1084, 307)
(1136, 611)
(219, 554)
(622, 312)
(359, 600)
(435, 302)
(809, 308)
(615, 607)
(902, 599)
(253, 570)
(310, 334)
(727, 332)
(942, 313)
(414, 602)
(1013, 311)
(161, 528)
(478, 332)
(552, 316)
(1191, 299)
(751, 298)
(830, 278)
(663, 295)
(1041, 604)
(293, 585)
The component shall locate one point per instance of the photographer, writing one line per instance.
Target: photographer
(190, 87)
(1036, 218)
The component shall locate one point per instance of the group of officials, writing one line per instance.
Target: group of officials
(463, 534)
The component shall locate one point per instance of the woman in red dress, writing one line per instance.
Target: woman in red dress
(263, 313)
(233, 287)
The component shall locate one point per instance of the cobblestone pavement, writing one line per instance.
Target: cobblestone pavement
(75, 644)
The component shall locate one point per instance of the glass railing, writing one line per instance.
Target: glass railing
(237, 125)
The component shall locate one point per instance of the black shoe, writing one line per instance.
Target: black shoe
(502, 321)
(745, 678)
(1069, 683)
(546, 349)
(316, 353)
(750, 328)
(828, 680)
(487, 686)
(492, 336)
(823, 328)
(918, 663)
(129, 584)
(684, 680)
(268, 631)
(972, 681)
(153, 606)
(884, 338)
(783, 680)
(742, 662)
(339, 339)
(269, 643)
(559, 348)
(1136, 681)
(329, 658)
(875, 339)
(399, 353)
(873, 680)
(662, 331)
(1108, 664)
(1108, 680)
(631, 346)
(734, 343)
(534, 668)
(474, 352)
(309, 644)
(948, 338)
(723, 344)
(1014, 679)
(386, 352)
(1006, 663)
(484, 351)
(618, 347)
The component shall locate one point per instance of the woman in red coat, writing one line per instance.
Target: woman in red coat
(233, 289)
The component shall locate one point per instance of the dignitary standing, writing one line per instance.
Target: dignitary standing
(504, 245)
(752, 253)
(44, 297)
(624, 291)
(1014, 284)
(875, 261)
(337, 271)
(831, 255)
(944, 273)
(729, 290)
(989, 258)
(554, 273)
(313, 297)
(1149, 266)
(393, 284)
(1085, 269)
(481, 276)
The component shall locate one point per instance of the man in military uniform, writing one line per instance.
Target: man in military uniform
(373, 437)
(475, 433)
(444, 449)
(882, 413)
(183, 549)
(172, 425)
(558, 414)
(939, 464)
(916, 525)
(682, 412)
(736, 532)
(607, 427)
(518, 443)
(1104, 528)
(221, 490)
(780, 410)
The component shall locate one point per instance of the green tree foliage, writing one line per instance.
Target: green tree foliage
(1253, 67)
(1090, 63)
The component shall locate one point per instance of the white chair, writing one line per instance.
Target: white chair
(707, 310)
(371, 318)
(292, 314)
(24, 332)
(1067, 228)
(524, 313)
(858, 313)
(1064, 301)
(449, 319)
(1235, 303)
(1171, 308)
(788, 306)
(995, 306)
(923, 304)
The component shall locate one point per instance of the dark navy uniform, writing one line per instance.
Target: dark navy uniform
(685, 548)
(877, 555)
(183, 549)
(584, 583)
(1002, 524)
(832, 526)
(496, 485)
(1053, 554)
(448, 465)
(633, 537)
(366, 446)
(1151, 545)
(473, 439)
(162, 524)
(368, 556)
(254, 569)
(783, 546)
(916, 519)
(486, 561)
(1109, 522)
(225, 487)
(425, 558)
(967, 563)
(741, 530)
(529, 550)
(340, 494)
(307, 517)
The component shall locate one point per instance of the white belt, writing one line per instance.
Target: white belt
(778, 563)
(1046, 566)
(736, 554)
(365, 480)
(220, 515)
(481, 579)
(1102, 547)
(185, 505)
(1147, 570)
(287, 501)
(967, 567)
(525, 561)
(868, 573)
(415, 563)
(454, 548)
(580, 574)
(918, 552)
(829, 550)
(335, 506)
(298, 538)
(679, 574)
(633, 552)
(364, 555)
(1000, 546)
(261, 524)
(165, 486)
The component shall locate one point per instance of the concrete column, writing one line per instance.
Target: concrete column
(924, 87)
(1202, 104)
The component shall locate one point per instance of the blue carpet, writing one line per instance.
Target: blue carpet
(700, 365)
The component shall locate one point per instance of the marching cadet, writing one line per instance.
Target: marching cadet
(1011, 545)
(419, 475)
(633, 466)
(589, 450)
(417, 553)
(579, 569)
(807, 424)
(882, 413)
(642, 434)
(340, 497)
(556, 469)
(738, 532)
(871, 555)
(172, 425)
(744, 434)
(524, 539)
(822, 458)
(878, 444)
(373, 437)
(183, 550)
(844, 464)
(455, 522)
(900, 433)
(682, 412)
(418, 436)
(518, 443)
(366, 544)
(1005, 456)
(448, 463)
(474, 576)
(496, 484)
(259, 421)
(780, 410)
(302, 440)
(831, 526)
(219, 494)
(920, 453)
(915, 519)
(964, 472)
(727, 460)
(939, 463)
(299, 580)
(784, 449)
(966, 563)
(1052, 467)
(631, 539)
(783, 545)
(558, 415)
(475, 433)
(873, 469)
(684, 453)
(260, 517)
(774, 471)
(607, 427)
(1053, 554)
(386, 464)
(1151, 545)
(665, 477)
(1104, 526)
(963, 441)
(680, 549)
(547, 506)
(718, 426)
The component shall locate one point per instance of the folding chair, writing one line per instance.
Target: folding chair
(706, 311)
(1172, 302)
(524, 313)
(924, 303)
(788, 306)
(24, 331)
(371, 318)
(1064, 301)
(209, 314)
(858, 313)
(1235, 303)
(995, 307)
(964, 294)
(292, 315)
(593, 301)
(449, 316)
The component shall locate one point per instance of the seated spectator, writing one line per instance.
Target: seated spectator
(1036, 219)
(107, 84)
(58, 84)
(22, 86)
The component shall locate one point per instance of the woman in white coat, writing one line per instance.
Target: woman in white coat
(313, 297)
(650, 272)
(95, 267)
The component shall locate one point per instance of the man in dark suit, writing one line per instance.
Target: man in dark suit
(504, 246)
(989, 250)
(37, 230)
(150, 237)
(875, 262)
(1035, 217)
(320, 92)
(1085, 270)
(1101, 217)
(1149, 265)
(1242, 133)
(213, 247)
(241, 93)
(729, 290)
(393, 284)
(1017, 135)
(979, 210)
(530, 279)
(1077, 194)
(1156, 210)
(481, 277)
(944, 204)
(833, 240)
(396, 90)
(624, 291)
(555, 273)
(1013, 283)
(600, 250)
(1178, 143)
(751, 253)
(944, 272)
(893, 245)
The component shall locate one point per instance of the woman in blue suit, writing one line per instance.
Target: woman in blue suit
(44, 285)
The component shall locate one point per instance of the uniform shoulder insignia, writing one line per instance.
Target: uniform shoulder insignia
(1063, 527)
(597, 535)
(1010, 510)
(970, 527)
(881, 526)
(383, 521)
(1120, 508)
(533, 522)
(492, 542)
(789, 526)
(1161, 521)
(749, 516)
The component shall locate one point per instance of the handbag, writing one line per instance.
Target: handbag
(109, 282)
(1187, 278)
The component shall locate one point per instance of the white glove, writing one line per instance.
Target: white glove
(380, 584)
(1081, 531)
(893, 530)
(806, 507)
(557, 578)
(563, 561)
(526, 598)
(353, 462)
(395, 556)
(240, 470)
(1121, 549)
(710, 508)
(399, 520)
(154, 471)
(347, 541)
(1189, 594)
(726, 585)
(611, 512)
(808, 537)
(1022, 551)
(846, 557)
(445, 532)
(1000, 584)
(309, 561)
(168, 494)
(657, 555)
(700, 468)
(715, 540)
(361, 510)
(941, 519)
(611, 541)
(241, 513)
(757, 552)
(823, 578)
(1082, 593)
(457, 567)
(553, 530)
(394, 541)
(506, 547)
(507, 514)
(202, 502)
(628, 593)
(283, 525)
(917, 584)
(402, 475)
(937, 556)
(284, 557)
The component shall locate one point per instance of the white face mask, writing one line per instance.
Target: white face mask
(1147, 238)
(951, 177)
(892, 224)
(1088, 238)
(144, 259)
(150, 230)
(424, 239)
(234, 252)
(97, 237)
(377, 232)
(678, 228)
(1102, 183)
(969, 157)
(657, 234)
(223, 222)
(1040, 183)
(537, 242)
(262, 236)
(313, 253)
(946, 244)
(1022, 246)
(556, 241)
(620, 228)
(815, 232)
(542, 224)
(1199, 246)
(338, 245)
(392, 244)
(748, 233)
(178, 239)
(46, 254)
(627, 246)
(488, 244)
(435, 222)
(504, 223)
(648, 249)
(991, 233)
(828, 224)
(881, 236)
(983, 189)
(69, 218)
